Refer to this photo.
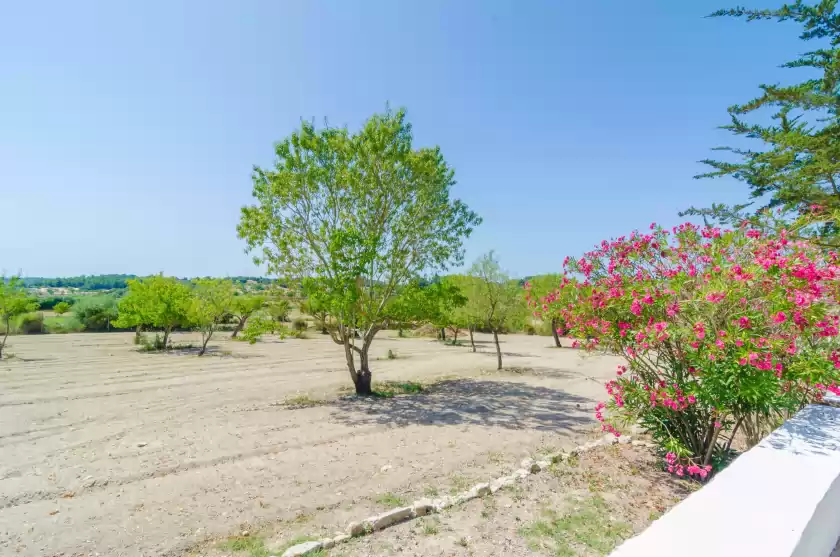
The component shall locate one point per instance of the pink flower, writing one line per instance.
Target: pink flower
(636, 307)
(715, 297)
(744, 322)
(780, 317)
(700, 330)
(718, 425)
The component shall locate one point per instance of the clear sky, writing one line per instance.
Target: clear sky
(128, 129)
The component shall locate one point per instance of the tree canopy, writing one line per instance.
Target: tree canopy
(158, 302)
(13, 302)
(798, 167)
(357, 215)
(212, 301)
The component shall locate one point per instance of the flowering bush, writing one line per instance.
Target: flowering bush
(720, 328)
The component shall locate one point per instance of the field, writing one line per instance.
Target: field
(104, 449)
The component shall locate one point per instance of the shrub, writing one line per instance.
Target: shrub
(96, 313)
(300, 324)
(721, 329)
(155, 344)
(30, 323)
(61, 308)
(62, 325)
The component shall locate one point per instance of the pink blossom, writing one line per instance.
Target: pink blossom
(780, 317)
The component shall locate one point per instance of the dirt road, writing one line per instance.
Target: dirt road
(108, 451)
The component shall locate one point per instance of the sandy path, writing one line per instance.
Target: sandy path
(106, 450)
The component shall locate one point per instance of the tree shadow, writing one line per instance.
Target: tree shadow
(469, 402)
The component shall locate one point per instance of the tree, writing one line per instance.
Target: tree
(318, 312)
(13, 302)
(470, 314)
(799, 168)
(158, 301)
(357, 216)
(433, 302)
(242, 309)
(212, 300)
(541, 287)
(96, 313)
(498, 297)
(61, 308)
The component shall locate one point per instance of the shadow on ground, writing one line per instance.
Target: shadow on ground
(468, 402)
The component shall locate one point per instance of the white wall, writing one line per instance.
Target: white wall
(779, 499)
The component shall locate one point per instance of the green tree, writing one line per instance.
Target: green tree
(96, 313)
(540, 287)
(279, 310)
(470, 314)
(359, 216)
(212, 301)
(499, 298)
(318, 312)
(798, 169)
(61, 308)
(13, 302)
(158, 301)
(243, 308)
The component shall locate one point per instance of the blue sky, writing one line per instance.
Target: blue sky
(128, 130)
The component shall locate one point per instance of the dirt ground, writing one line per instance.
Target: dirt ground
(108, 451)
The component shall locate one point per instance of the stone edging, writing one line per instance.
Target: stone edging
(423, 507)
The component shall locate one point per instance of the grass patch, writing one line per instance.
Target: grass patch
(302, 400)
(587, 526)
(253, 545)
(390, 500)
(292, 542)
(431, 491)
(459, 483)
(429, 527)
(388, 389)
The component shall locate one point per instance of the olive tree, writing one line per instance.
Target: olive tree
(355, 216)
(13, 302)
(212, 300)
(498, 298)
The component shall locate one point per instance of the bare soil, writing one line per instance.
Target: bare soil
(108, 451)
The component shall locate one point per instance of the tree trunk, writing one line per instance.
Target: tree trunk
(554, 333)
(443, 334)
(455, 338)
(472, 341)
(137, 334)
(239, 326)
(498, 348)
(364, 376)
(166, 337)
(205, 339)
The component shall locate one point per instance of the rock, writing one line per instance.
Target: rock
(636, 443)
(327, 543)
(391, 517)
(526, 463)
(625, 439)
(521, 473)
(142, 444)
(385, 468)
(340, 538)
(500, 483)
(302, 549)
(542, 465)
(481, 489)
(442, 504)
(422, 507)
(355, 529)
(609, 439)
(464, 496)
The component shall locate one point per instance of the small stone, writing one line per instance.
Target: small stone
(500, 483)
(521, 473)
(142, 444)
(327, 543)
(526, 463)
(302, 549)
(442, 504)
(625, 439)
(481, 489)
(355, 529)
(385, 468)
(542, 465)
(391, 517)
(636, 443)
(609, 439)
(422, 507)
(340, 538)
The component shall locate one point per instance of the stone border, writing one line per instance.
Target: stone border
(423, 507)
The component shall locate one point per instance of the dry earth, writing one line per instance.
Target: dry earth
(108, 451)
